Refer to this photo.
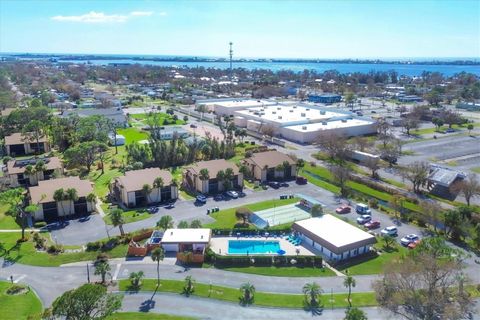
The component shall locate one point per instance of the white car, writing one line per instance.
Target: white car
(409, 239)
(232, 194)
(362, 208)
(364, 218)
(390, 231)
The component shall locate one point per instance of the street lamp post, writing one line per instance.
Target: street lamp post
(88, 274)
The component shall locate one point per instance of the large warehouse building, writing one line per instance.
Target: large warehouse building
(302, 123)
(335, 239)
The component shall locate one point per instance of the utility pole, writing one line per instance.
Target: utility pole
(231, 58)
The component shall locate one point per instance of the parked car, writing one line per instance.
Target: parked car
(409, 239)
(171, 205)
(301, 180)
(373, 111)
(364, 218)
(201, 198)
(232, 194)
(218, 197)
(362, 208)
(450, 130)
(274, 184)
(153, 210)
(193, 126)
(284, 184)
(390, 231)
(374, 224)
(343, 209)
(241, 194)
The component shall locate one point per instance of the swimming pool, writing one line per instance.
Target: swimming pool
(253, 247)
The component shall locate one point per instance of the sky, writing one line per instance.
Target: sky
(269, 29)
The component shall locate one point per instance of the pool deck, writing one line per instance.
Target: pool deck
(219, 245)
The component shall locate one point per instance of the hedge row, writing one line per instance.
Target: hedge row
(250, 232)
(220, 261)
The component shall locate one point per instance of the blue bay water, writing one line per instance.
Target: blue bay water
(401, 69)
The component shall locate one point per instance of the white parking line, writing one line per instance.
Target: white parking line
(117, 270)
(19, 278)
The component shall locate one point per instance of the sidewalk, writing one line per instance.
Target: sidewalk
(171, 261)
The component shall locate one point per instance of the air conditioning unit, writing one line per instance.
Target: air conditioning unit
(291, 111)
(278, 108)
(303, 115)
(322, 112)
(279, 117)
(274, 112)
(307, 109)
(294, 107)
(304, 127)
(324, 123)
(344, 120)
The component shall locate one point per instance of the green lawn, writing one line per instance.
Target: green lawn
(322, 177)
(285, 271)
(226, 218)
(133, 135)
(261, 298)
(7, 222)
(442, 129)
(145, 316)
(144, 117)
(476, 169)
(102, 181)
(375, 265)
(129, 215)
(22, 306)
(26, 253)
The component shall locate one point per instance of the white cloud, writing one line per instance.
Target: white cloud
(163, 13)
(141, 13)
(93, 17)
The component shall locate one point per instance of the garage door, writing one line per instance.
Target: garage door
(170, 247)
(213, 187)
(81, 208)
(166, 194)
(17, 149)
(50, 212)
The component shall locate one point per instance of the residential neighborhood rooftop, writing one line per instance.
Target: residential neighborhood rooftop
(18, 138)
(44, 191)
(269, 159)
(213, 167)
(19, 166)
(135, 179)
(187, 236)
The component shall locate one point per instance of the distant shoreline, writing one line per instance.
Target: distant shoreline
(97, 57)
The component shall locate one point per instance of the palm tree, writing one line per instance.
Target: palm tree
(189, 285)
(204, 174)
(102, 268)
(229, 175)
(71, 194)
(136, 279)
(348, 283)
(59, 196)
(248, 292)
(116, 216)
(286, 167)
(165, 222)
(300, 164)
(146, 189)
(158, 184)
(91, 197)
(221, 177)
(30, 170)
(312, 292)
(157, 255)
(40, 166)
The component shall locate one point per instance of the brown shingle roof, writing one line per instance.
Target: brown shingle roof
(44, 191)
(135, 179)
(270, 159)
(17, 138)
(18, 166)
(213, 167)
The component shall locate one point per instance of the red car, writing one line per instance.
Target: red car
(343, 209)
(414, 244)
(372, 224)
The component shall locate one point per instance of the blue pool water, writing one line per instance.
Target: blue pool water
(253, 247)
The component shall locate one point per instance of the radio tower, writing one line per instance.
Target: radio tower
(231, 57)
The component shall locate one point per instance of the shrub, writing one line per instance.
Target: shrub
(93, 246)
(373, 203)
(39, 241)
(15, 289)
(54, 249)
(137, 165)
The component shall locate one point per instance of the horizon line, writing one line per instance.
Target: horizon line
(226, 57)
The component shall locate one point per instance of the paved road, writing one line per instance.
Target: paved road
(76, 232)
(207, 309)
